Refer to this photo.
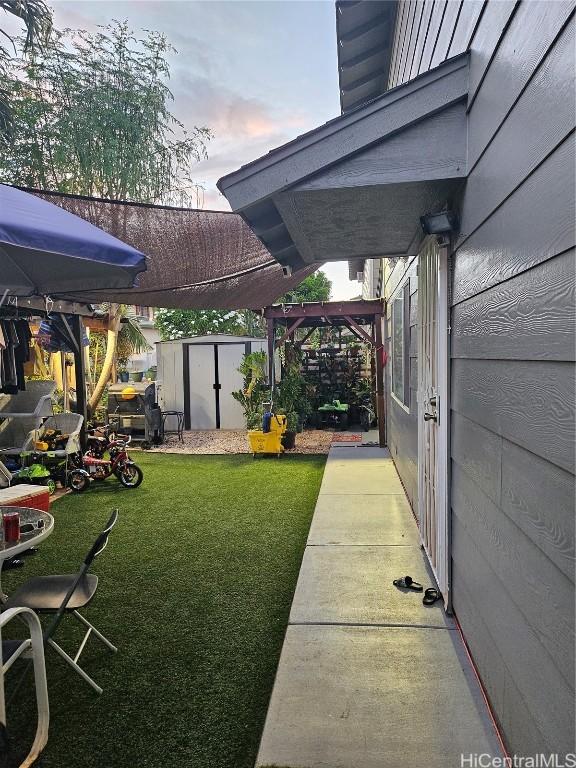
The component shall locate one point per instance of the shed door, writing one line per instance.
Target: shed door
(433, 410)
(229, 379)
(202, 390)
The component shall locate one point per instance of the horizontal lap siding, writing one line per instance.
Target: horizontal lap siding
(513, 382)
(513, 349)
(532, 317)
(533, 225)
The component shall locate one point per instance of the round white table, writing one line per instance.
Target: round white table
(28, 516)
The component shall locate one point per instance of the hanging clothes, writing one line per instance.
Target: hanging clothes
(22, 351)
(15, 338)
(54, 334)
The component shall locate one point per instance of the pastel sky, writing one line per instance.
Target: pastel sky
(257, 72)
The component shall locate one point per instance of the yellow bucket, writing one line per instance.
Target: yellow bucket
(265, 442)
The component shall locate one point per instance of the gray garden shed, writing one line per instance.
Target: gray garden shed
(197, 376)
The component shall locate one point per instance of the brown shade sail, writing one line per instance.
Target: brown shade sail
(196, 259)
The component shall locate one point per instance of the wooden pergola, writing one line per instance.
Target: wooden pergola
(362, 318)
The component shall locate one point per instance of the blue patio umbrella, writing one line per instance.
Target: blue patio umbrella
(45, 250)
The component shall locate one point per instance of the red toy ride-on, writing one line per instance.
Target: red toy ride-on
(96, 468)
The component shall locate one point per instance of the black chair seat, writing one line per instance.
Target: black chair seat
(47, 593)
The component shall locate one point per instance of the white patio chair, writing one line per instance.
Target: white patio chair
(33, 647)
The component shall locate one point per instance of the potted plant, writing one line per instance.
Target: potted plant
(289, 437)
(250, 397)
(287, 400)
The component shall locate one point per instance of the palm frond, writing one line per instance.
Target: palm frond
(6, 121)
(37, 18)
(132, 336)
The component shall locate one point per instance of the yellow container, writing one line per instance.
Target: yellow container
(268, 442)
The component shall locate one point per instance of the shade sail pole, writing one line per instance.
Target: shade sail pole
(80, 371)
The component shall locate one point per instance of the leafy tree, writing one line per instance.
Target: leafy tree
(315, 287)
(180, 323)
(91, 116)
(37, 18)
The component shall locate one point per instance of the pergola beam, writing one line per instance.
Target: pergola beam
(359, 331)
(288, 333)
(359, 310)
(307, 335)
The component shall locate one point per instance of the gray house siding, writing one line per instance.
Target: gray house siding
(513, 351)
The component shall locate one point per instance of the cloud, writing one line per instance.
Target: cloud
(203, 101)
(244, 128)
(219, 76)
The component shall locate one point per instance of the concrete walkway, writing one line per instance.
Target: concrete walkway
(369, 677)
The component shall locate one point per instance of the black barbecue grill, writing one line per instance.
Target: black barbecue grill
(132, 406)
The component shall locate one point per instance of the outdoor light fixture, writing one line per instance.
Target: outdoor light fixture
(439, 223)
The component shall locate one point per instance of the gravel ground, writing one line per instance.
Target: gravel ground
(218, 441)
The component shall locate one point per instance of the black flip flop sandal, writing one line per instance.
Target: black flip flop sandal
(431, 596)
(407, 582)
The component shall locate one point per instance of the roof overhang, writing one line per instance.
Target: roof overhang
(365, 34)
(356, 186)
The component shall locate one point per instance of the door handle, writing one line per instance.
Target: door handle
(430, 417)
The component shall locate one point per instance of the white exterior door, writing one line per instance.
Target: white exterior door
(433, 411)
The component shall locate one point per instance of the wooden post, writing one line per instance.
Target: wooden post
(80, 369)
(271, 367)
(380, 401)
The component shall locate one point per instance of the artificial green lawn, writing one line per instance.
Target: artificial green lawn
(195, 590)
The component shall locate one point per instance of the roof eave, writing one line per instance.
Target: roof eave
(411, 141)
(365, 47)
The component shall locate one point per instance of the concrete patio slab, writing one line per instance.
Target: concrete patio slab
(352, 476)
(349, 697)
(368, 676)
(365, 453)
(353, 585)
(363, 519)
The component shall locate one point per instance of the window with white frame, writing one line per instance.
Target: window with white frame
(401, 345)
